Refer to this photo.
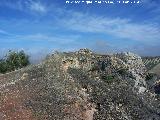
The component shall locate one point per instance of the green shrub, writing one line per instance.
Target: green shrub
(150, 76)
(13, 60)
(3, 66)
(108, 78)
(103, 66)
(122, 71)
(94, 68)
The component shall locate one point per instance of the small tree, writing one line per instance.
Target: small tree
(14, 60)
(3, 66)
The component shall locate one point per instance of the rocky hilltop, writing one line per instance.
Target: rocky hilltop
(80, 85)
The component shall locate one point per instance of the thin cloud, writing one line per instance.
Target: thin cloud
(48, 38)
(17, 5)
(4, 32)
(25, 6)
(121, 28)
(146, 50)
(153, 6)
(103, 47)
(37, 7)
(59, 40)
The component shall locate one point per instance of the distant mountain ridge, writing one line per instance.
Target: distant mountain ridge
(151, 62)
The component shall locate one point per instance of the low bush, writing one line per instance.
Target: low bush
(107, 78)
(150, 76)
(122, 71)
(13, 60)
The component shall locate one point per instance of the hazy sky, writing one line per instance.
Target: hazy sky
(40, 26)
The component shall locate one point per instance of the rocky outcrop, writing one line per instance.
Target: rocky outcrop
(136, 68)
(79, 86)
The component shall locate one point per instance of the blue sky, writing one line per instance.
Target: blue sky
(41, 26)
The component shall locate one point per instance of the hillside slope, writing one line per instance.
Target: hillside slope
(79, 86)
(156, 69)
(151, 62)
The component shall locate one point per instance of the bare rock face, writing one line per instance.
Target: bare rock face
(84, 51)
(134, 62)
(80, 85)
(136, 68)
